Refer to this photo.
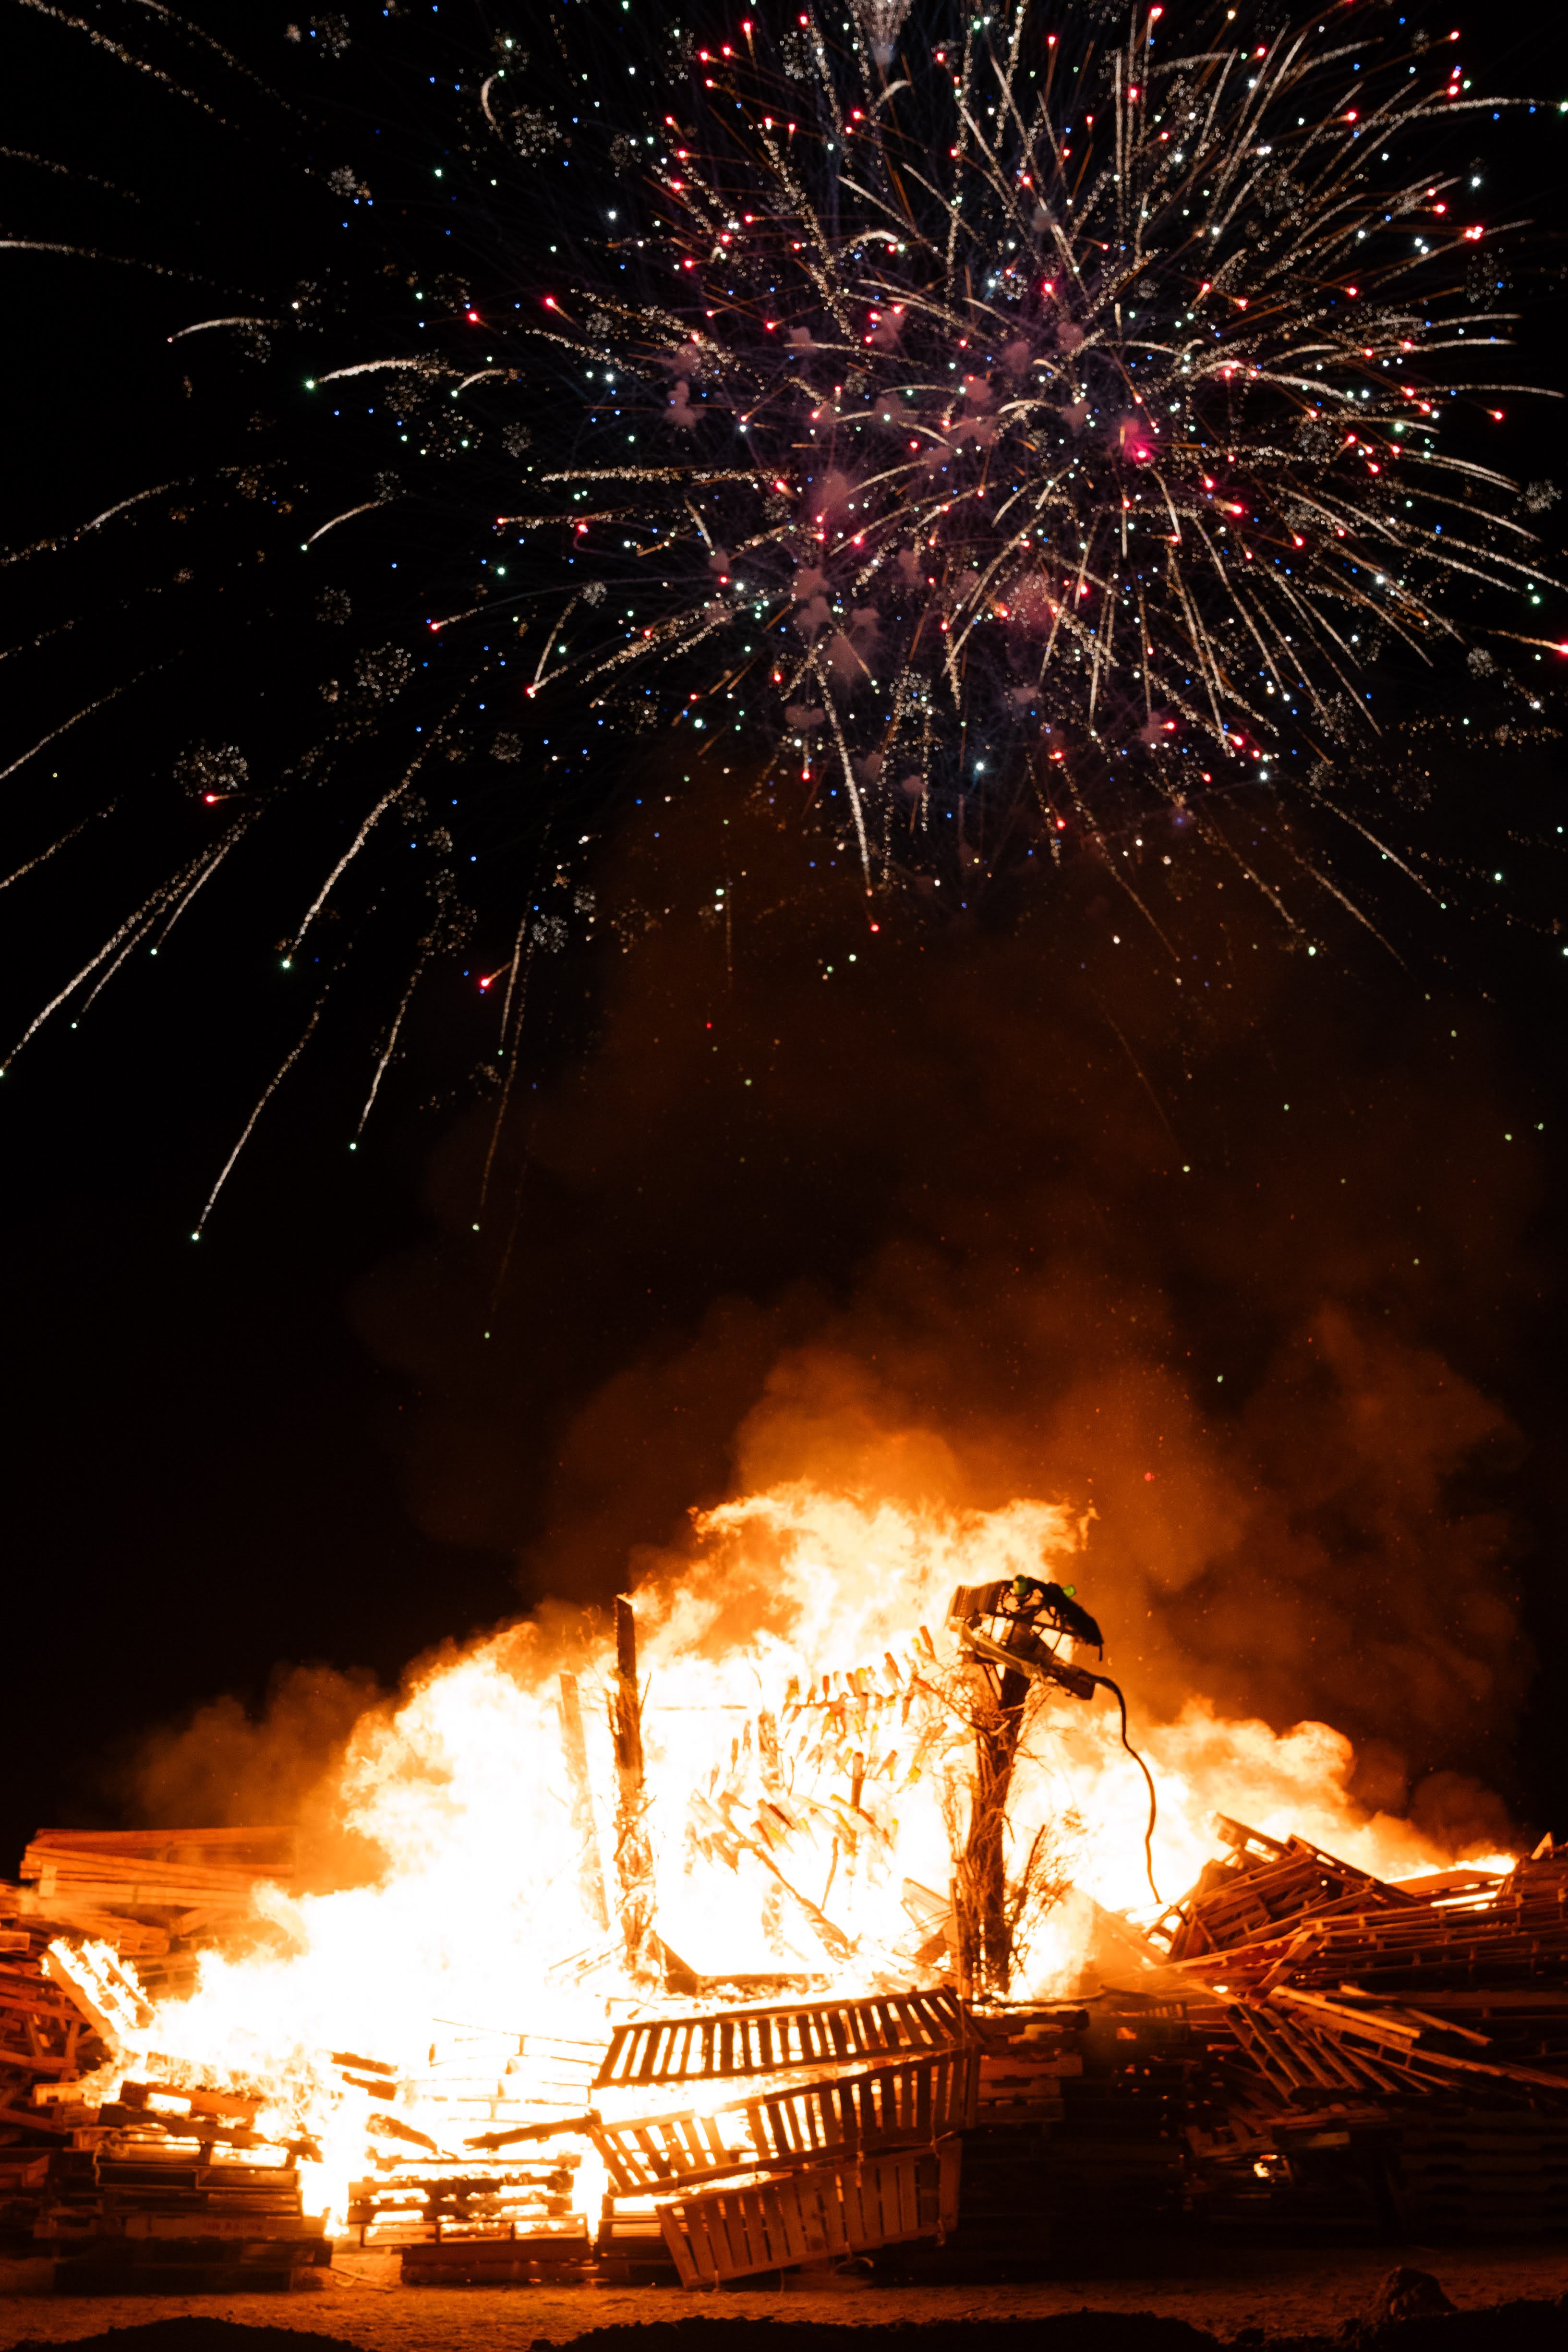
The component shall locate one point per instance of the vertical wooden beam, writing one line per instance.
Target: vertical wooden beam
(634, 1850)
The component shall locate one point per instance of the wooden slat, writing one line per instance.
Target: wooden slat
(256, 1849)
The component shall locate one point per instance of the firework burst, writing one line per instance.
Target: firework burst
(1033, 440)
(990, 435)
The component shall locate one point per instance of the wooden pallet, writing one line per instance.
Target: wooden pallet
(42, 2033)
(765, 2041)
(919, 2099)
(422, 2192)
(1022, 2072)
(1268, 1884)
(826, 2212)
(1418, 1955)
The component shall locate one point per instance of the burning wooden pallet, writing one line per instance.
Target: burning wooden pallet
(416, 2195)
(1459, 1991)
(43, 2036)
(725, 2043)
(920, 2099)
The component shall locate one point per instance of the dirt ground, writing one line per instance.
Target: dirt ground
(1284, 2290)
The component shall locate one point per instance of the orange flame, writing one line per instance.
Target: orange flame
(803, 1754)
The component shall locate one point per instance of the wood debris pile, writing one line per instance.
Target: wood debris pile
(1396, 2055)
(159, 2189)
(165, 2193)
(735, 2142)
(1340, 1987)
(1298, 2049)
(159, 1896)
(1296, 2046)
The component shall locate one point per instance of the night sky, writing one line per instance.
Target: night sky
(1271, 1272)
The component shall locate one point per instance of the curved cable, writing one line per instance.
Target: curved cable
(1115, 1689)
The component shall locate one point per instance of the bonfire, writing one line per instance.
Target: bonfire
(833, 1902)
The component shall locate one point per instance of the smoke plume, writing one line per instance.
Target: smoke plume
(1128, 1202)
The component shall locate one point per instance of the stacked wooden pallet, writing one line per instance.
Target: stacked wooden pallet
(156, 1896)
(1267, 1887)
(161, 2191)
(1382, 1993)
(473, 2194)
(44, 2035)
(1408, 2042)
(851, 2146)
(474, 2215)
(1026, 2057)
(414, 2196)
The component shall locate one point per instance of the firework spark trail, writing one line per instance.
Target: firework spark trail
(118, 52)
(390, 1046)
(249, 1128)
(200, 326)
(135, 926)
(372, 367)
(19, 873)
(88, 711)
(366, 507)
(136, 63)
(389, 800)
(511, 1044)
(69, 172)
(91, 253)
(84, 529)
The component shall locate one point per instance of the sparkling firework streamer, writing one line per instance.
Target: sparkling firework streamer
(991, 435)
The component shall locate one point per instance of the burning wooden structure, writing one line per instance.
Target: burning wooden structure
(1297, 2045)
